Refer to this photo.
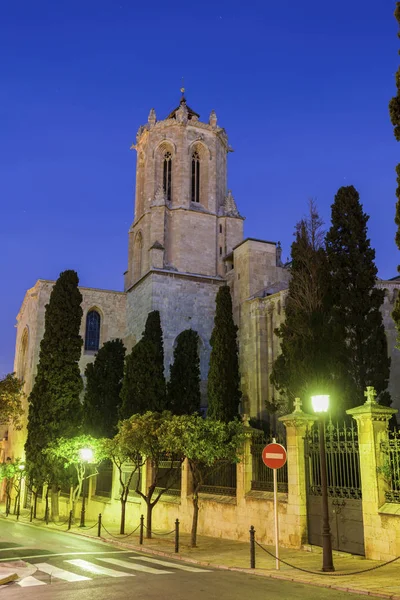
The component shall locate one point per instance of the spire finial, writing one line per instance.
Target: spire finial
(183, 99)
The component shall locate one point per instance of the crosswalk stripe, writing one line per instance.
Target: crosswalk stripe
(60, 573)
(165, 563)
(29, 581)
(133, 566)
(96, 569)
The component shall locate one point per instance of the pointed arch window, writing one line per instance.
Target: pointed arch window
(195, 177)
(92, 336)
(167, 171)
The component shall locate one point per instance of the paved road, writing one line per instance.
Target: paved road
(60, 566)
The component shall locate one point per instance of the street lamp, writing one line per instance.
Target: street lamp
(86, 455)
(320, 405)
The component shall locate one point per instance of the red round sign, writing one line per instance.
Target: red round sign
(274, 456)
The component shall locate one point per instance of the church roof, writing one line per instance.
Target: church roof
(191, 112)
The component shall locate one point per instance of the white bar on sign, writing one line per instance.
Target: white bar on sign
(273, 455)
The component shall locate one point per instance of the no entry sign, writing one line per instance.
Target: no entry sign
(274, 456)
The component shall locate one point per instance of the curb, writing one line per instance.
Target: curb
(8, 578)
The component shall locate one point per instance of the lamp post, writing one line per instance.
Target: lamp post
(86, 455)
(320, 405)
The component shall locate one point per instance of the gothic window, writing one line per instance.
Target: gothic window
(167, 166)
(92, 337)
(220, 228)
(195, 177)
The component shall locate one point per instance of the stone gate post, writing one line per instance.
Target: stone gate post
(372, 424)
(296, 426)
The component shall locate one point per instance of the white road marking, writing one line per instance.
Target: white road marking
(60, 573)
(96, 569)
(133, 566)
(29, 581)
(165, 563)
(64, 554)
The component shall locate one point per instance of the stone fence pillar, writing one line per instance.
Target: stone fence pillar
(372, 424)
(296, 426)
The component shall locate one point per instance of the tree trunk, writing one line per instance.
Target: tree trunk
(193, 534)
(122, 526)
(54, 502)
(148, 520)
(46, 510)
(34, 504)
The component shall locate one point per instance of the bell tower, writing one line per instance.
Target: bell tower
(185, 223)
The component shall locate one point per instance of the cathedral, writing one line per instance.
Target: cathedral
(185, 241)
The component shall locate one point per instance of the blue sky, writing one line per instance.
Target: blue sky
(302, 89)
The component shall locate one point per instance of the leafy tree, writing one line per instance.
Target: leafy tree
(11, 395)
(12, 471)
(394, 110)
(307, 361)
(103, 388)
(68, 452)
(153, 333)
(223, 378)
(356, 301)
(54, 403)
(184, 384)
(121, 455)
(207, 444)
(141, 436)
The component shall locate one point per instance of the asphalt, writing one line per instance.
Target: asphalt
(352, 573)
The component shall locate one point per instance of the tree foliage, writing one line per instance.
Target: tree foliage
(207, 444)
(12, 472)
(184, 383)
(54, 403)
(356, 301)
(142, 435)
(11, 395)
(394, 111)
(306, 364)
(223, 378)
(103, 388)
(143, 387)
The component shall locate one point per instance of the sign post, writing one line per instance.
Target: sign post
(274, 457)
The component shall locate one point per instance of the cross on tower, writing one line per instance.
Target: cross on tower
(297, 405)
(370, 395)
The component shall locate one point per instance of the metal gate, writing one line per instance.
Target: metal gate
(344, 487)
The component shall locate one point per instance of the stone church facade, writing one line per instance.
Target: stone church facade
(186, 240)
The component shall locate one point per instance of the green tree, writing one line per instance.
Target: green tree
(54, 403)
(143, 387)
(184, 383)
(307, 362)
(394, 111)
(68, 452)
(223, 378)
(11, 395)
(207, 444)
(142, 435)
(356, 301)
(12, 472)
(103, 388)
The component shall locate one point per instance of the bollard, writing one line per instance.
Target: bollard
(99, 526)
(252, 548)
(177, 535)
(141, 529)
(69, 520)
(31, 515)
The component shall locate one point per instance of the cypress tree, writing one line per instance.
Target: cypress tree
(223, 378)
(103, 387)
(356, 301)
(143, 387)
(306, 364)
(184, 384)
(54, 403)
(394, 111)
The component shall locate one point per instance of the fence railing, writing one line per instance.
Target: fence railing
(220, 479)
(262, 477)
(104, 482)
(170, 476)
(391, 468)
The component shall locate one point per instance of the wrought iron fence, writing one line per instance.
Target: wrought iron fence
(342, 460)
(104, 481)
(391, 468)
(170, 476)
(219, 479)
(262, 477)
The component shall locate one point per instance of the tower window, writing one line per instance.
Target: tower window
(220, 228)
(167, 175)
(92, 336)
(220, 250)
(195, 177)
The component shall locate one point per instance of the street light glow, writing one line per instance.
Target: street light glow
(320, 403)
(86, 454)
(21, 467)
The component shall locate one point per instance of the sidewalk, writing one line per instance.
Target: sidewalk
(228, 554)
